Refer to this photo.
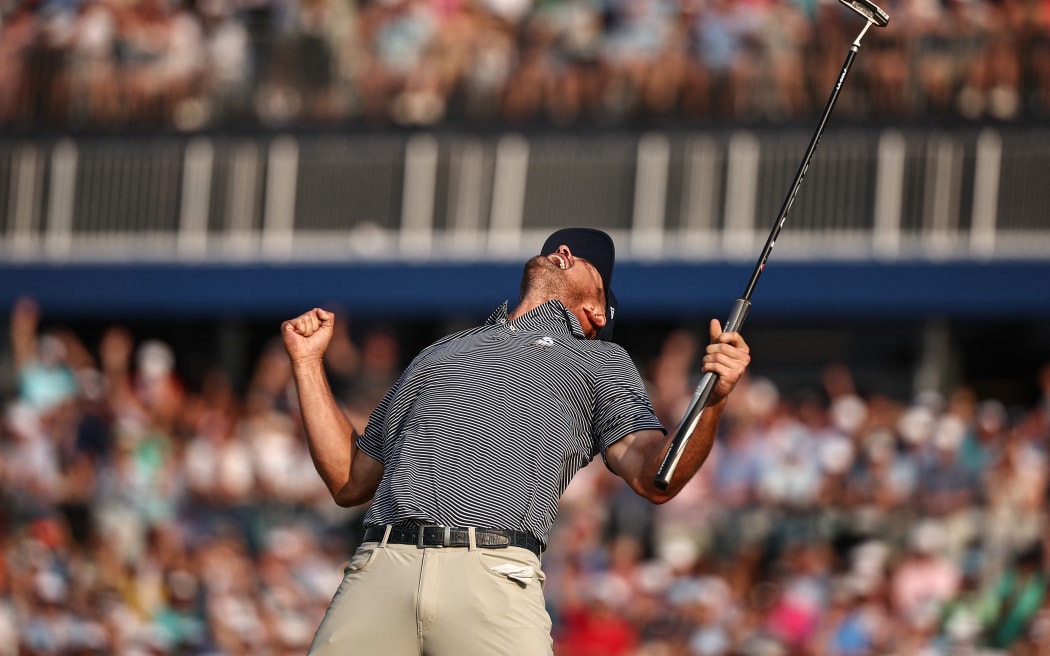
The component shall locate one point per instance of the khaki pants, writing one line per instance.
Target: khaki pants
(399, 600)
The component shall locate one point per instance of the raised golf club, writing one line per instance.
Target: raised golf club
(873, 15)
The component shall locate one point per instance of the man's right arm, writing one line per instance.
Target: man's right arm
(350, 474)
(637, 457)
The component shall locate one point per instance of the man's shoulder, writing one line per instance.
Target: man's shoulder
(601, 350)
(457, 335)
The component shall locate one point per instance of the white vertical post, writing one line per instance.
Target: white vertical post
(467, 189)
(944, 205)
(281, 182)
(241, 199)
(196, 193)
(25, 201)
(703, 183)
(59, 239)
(741, 190)
(650, 194)
(986, 174)
(508, 194)
(889, 194)
(417, 199)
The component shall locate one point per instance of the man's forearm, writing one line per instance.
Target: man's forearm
(699, 448)
(637, 457)
(329, 434)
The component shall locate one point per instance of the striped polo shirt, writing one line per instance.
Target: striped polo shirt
(486, 427)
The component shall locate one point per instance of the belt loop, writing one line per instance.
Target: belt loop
(472, 541)
(386, 535)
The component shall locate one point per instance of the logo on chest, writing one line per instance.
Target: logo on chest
(544, 343)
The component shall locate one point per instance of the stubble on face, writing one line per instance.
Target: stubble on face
(545, 278)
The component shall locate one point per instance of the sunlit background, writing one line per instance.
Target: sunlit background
(176, 178)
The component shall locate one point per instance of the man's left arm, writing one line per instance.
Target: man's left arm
(636, 458)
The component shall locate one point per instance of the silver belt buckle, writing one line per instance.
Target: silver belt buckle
(446, 539)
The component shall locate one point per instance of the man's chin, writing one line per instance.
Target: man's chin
(540, 269)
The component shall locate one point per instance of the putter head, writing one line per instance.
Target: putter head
(869, 10)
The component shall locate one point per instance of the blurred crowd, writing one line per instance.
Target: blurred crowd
(199, 64)
(143, 515)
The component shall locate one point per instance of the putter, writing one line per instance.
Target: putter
(873, 15)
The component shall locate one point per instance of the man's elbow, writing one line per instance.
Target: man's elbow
(655, 495)
(343, 501)
(348, 497)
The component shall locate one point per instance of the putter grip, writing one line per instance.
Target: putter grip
(696, 407)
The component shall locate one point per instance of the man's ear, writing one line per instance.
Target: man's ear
(596, 315)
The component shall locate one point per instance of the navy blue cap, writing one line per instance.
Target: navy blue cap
(597, 248)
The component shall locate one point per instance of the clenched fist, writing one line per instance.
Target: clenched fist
(306, 337)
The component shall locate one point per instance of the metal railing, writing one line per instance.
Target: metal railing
(699, 196)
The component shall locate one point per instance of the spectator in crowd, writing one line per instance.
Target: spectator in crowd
(1016, 597)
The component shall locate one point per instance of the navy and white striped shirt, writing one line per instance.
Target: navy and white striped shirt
(487, 426)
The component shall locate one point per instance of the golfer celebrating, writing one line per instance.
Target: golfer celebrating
(465, 458)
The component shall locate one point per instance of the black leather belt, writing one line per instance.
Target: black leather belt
(446, 536)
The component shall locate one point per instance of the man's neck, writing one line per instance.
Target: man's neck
(528, 304)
